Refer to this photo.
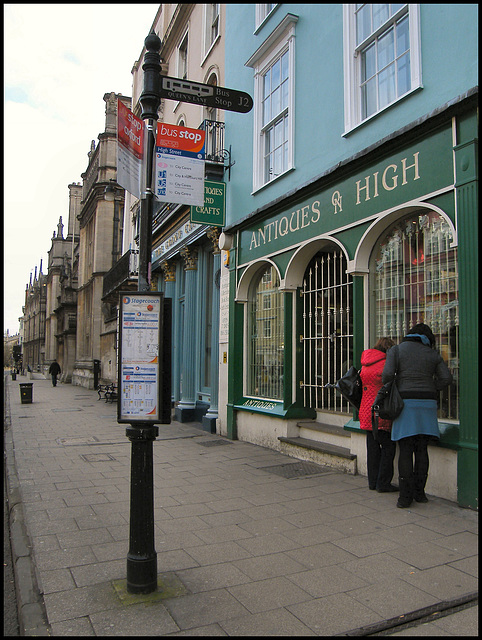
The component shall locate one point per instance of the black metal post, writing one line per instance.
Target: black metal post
(150, 100)
(142, 556)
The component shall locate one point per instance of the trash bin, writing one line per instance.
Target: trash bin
(26, 392)
(14, 375)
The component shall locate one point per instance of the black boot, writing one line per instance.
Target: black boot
(385, 469)
(419, 486)
(406, 492)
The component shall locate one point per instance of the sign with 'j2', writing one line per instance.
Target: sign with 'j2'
(179, 169)
(213, 211)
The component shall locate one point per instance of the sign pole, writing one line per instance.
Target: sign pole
(142, 556)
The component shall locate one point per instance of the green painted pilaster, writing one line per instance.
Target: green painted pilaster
(468, 241)
(358, 323)
(235, 351)
(288, 350)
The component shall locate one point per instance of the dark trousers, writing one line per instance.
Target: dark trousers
(54, 379)
(380, 455)
(413, 457)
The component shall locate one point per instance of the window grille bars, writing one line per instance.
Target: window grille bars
(266, 338)
(415, 280)
(328, 330)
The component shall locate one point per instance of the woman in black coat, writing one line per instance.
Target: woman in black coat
(421, 374)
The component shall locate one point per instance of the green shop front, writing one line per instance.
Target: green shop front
(385, 241)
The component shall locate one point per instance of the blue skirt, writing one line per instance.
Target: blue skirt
(418, 417)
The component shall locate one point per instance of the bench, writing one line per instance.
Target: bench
(111, 394)
(107, 392)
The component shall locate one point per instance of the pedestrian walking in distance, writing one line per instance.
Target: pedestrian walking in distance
(420, 375)
(380, 449)
(54, 371)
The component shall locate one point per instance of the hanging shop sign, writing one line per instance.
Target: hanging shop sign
(213, 212)
(130, 136)
(141, 358)
(179, 170)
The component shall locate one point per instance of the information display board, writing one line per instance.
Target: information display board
(142, 338)
(179, 164)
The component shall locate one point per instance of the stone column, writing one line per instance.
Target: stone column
(209, 419)
(169, 271)
(185, 411)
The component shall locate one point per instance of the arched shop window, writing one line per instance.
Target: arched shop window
(266, 336)
(414, 279)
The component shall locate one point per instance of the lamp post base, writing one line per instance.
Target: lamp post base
(142, 556)
(141, 574)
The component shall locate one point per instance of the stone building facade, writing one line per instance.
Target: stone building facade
(34, 321)
(62, 279)
(99, 249)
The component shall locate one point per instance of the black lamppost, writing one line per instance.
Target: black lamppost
(142, 556)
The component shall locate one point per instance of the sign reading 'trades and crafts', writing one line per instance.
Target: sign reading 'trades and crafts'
(130, 140)
(179, 172)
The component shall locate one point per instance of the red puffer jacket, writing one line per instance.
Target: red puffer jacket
(372, 362)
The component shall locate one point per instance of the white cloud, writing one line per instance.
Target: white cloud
(59, 61)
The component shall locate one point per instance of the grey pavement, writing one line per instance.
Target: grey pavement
(249, 541)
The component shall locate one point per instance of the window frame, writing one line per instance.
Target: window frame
(270, 325)
(352, 62)
(395, 295)
(210, 18)
(280, 41)
(181, 58)
(263, 13)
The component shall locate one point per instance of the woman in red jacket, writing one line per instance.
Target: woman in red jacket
(380, 452)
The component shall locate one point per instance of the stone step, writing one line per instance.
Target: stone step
(326, 433)
(323, 453)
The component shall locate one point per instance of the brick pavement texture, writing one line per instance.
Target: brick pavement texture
(248, 549)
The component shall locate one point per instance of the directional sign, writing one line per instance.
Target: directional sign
(206, 95)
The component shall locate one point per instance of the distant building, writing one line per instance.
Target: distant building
(11, 349)
(62, 279)
(100, 247)
(34, 312)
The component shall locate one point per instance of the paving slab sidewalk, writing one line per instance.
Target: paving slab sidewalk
(249, 541)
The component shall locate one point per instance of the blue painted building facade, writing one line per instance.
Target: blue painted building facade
(351, 215)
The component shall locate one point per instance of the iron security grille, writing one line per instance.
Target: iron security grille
(414, 279)
(328, 329)
(266, 326)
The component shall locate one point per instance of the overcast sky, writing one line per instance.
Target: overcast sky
(59, 61)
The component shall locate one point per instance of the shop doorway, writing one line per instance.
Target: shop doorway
(327, 329)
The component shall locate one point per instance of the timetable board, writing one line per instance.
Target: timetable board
(140, 357)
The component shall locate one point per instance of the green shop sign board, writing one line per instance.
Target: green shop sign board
(213, 212)
(415, 172)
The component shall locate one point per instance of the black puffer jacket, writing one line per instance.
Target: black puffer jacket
(421, 371)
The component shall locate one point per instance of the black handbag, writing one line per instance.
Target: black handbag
(350, 387)
(388, 403)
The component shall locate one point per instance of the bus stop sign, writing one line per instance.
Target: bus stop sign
(206, 95)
